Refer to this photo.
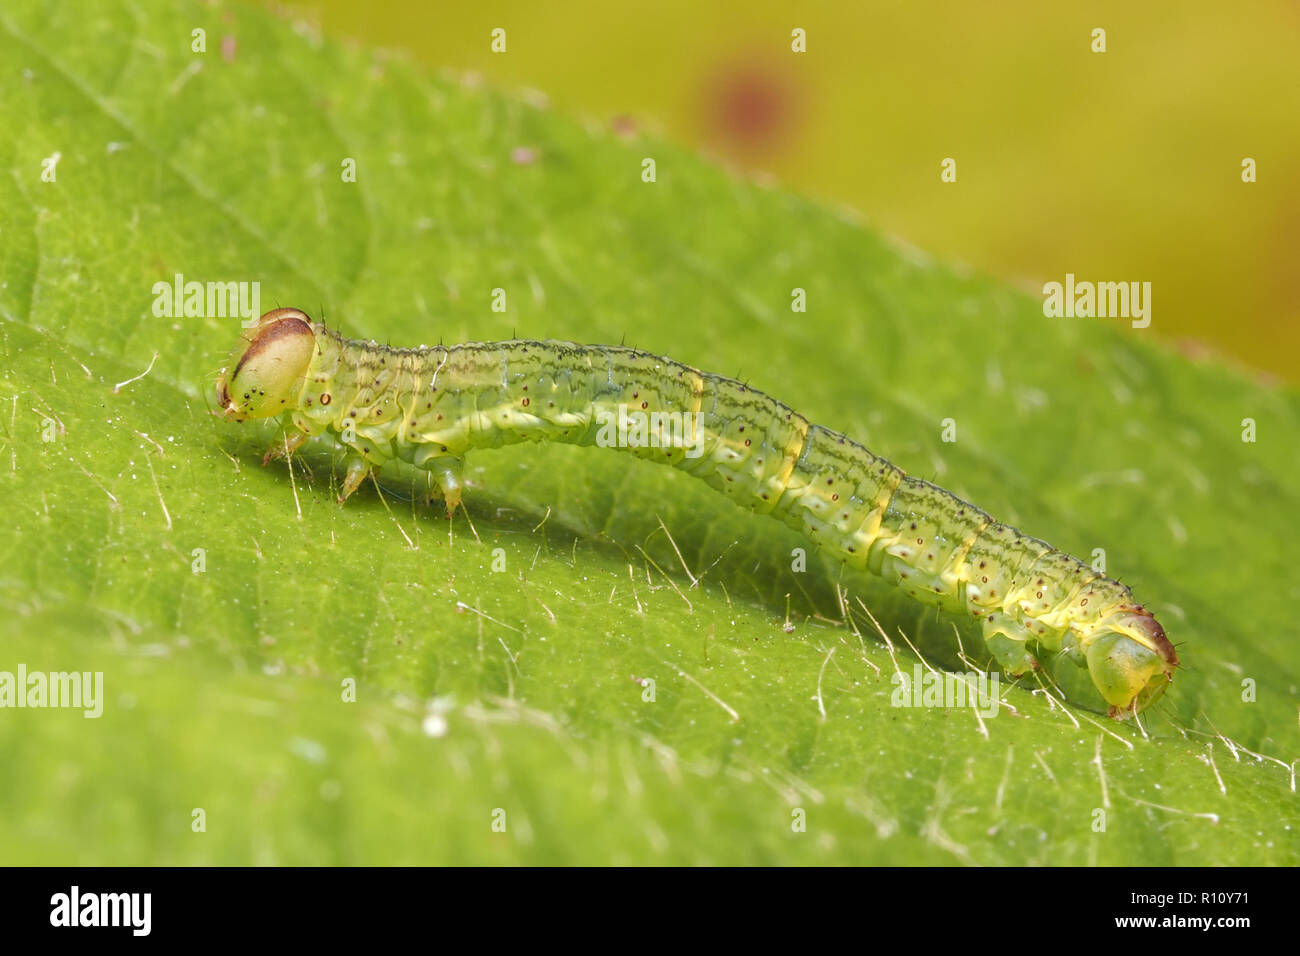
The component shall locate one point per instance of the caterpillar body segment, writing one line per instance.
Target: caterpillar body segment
(429, 407)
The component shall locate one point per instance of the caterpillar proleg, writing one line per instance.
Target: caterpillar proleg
(429, 407)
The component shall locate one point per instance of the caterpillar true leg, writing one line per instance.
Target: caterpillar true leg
(430, 406)
(1012, 654)
(358, 469)
(285, 447)
(447, 476)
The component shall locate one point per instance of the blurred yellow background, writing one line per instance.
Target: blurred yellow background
(1116, 166)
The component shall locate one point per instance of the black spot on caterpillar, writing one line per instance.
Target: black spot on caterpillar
(430, 406)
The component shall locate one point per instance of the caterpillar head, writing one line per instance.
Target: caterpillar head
(1130, 660)
(266, 372)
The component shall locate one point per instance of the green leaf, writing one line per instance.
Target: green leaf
(227, 605)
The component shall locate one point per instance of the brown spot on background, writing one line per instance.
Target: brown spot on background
(751, 106)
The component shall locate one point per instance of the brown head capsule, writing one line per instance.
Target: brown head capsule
(266, 373)
(1130, 659)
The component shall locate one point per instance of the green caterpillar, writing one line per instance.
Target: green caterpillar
(430, 406)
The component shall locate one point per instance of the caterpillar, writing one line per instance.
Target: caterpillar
(430, 406)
